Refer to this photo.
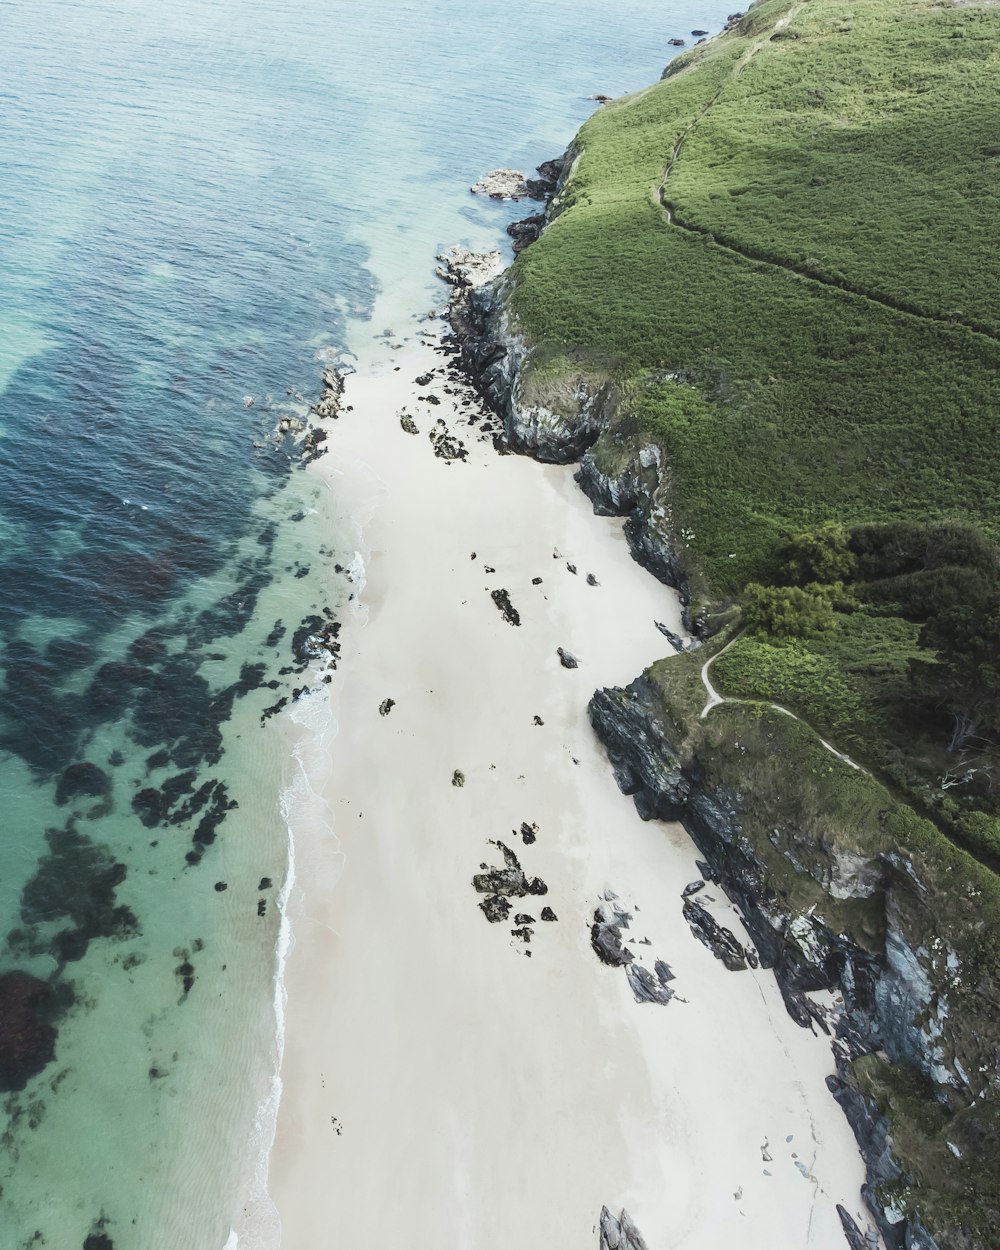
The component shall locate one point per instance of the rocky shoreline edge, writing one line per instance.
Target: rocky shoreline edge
(884, 997)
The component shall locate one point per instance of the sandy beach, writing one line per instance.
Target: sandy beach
(445, 1083)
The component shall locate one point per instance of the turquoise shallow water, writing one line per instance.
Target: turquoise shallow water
(199, 203)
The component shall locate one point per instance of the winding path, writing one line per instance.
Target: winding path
(715, 699)
(736, 248)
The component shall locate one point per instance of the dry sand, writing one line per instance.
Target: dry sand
(446, 1085)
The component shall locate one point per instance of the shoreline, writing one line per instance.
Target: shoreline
(424, 1046)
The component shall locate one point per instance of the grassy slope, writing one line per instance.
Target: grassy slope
(836, 166)
(801, 401)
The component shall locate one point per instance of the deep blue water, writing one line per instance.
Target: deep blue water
(198, 203)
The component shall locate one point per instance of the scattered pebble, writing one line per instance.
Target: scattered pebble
(458, 777)
(386, 706)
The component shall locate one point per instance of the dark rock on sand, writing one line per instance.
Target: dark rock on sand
(549, 914)
(719, 940)
(566, 658)
(502, 599)
(606, 934)
(386, 706)
(648, 988)
(620, 1234)
(855, 1237)
(446, 445)
(495, 908)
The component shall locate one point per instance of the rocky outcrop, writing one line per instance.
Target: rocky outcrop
(638, 492)
(619, 1234)
(558, 422)
(896, 990)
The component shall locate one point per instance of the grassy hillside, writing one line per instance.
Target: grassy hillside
(785, 253)
(854, 145)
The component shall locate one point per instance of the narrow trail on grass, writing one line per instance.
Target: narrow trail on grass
(715, 699)
(736, 248)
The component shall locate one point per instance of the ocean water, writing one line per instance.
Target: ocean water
(200, 204)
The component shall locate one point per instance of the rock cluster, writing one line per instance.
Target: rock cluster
(511, 184)
(500, 885)
(606, 932)
(328, 404)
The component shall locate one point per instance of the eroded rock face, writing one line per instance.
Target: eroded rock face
(27, 1036)
(619, 1234)
(896, 1003)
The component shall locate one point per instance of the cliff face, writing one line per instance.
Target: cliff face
(879, 926)
(560, 421)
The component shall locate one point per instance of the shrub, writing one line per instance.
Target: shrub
(788, 611)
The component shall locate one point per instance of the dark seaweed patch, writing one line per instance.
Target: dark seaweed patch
(39, 724)
(68, 654)
(231, 614)
(27, 1032)
(75, 882)
(83, 780)
(113, 688)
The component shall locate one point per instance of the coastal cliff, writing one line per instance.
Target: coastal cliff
(841, 889)
(737, 370)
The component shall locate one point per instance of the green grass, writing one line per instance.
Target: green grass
(797, 401)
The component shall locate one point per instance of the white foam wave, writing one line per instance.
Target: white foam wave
(302, 806)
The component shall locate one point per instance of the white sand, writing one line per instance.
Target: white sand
(441, 1088)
